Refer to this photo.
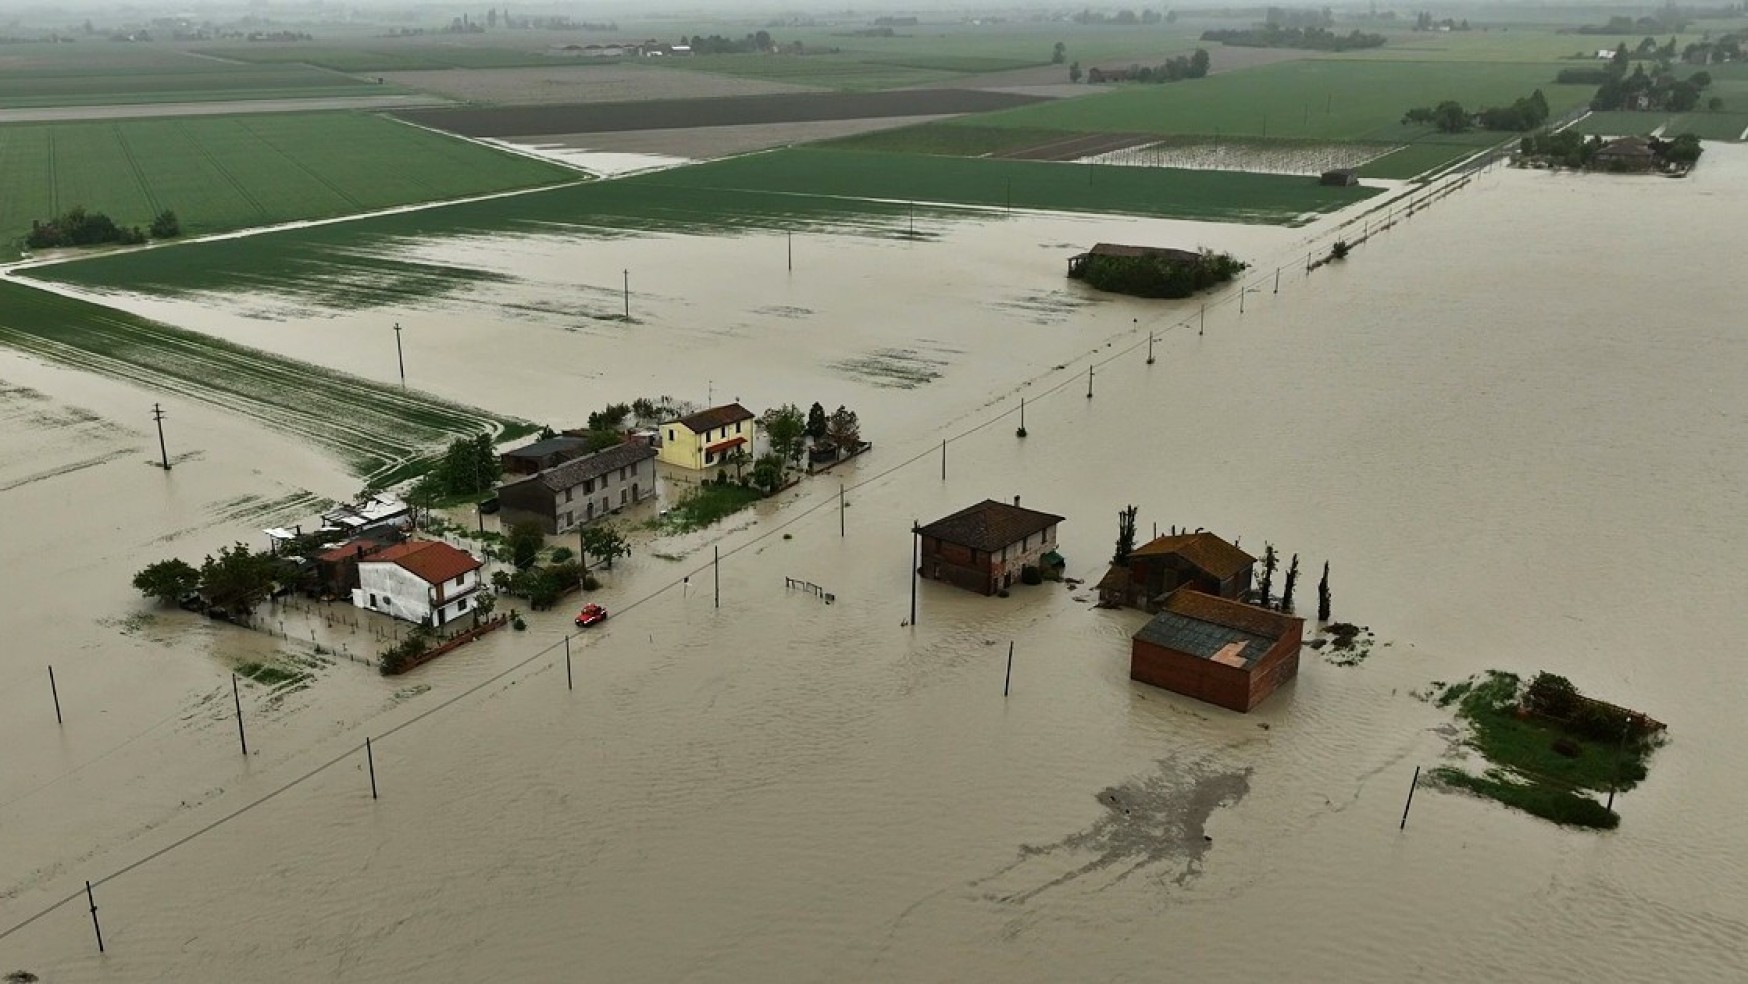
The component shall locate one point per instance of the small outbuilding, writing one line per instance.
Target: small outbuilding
(1217, 650)
(986, 547)
(1154, 570)
(1341, 177)
(531, 459)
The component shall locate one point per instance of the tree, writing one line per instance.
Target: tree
(738, 457)
(1074, 74)
(768, 473)
(816, 421)
(525, 540)
(237, 579)
(1323, 595)
(1199, 64)
(169, 581)
(844, 430)
(165, 225)
(1125, 535)
(784, 426)
(1270, 562)
(1059, 54)
(603, 543)
(1619, 61)
(1292, 582)
(1715, 104)
(1450, 117)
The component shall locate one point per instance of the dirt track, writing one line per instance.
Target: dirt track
(665, 114)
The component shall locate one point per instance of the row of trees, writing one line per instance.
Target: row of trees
(468, 467)
(79, 227)
(1308, 38)
(757, 42)
(1158, 275)
(1089, 16)
(1526, 113)
(1270, 563)
(1659, 90)
(1423, 22)
(1175, 69)
(234, 580)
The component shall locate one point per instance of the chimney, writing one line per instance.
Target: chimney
(1016, 500)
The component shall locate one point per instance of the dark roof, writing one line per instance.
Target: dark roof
(1118, 249)
(1206, 627)
(552, 445)
(1205, 550)
(990, 525)
(361, 547)
(707, 420)
(428, 560)
(579, 470)
(1627, 146)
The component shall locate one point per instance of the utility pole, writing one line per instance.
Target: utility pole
(1202, 325)
(1277, 280)
(916, 564)
(628, 295)
(943, 460)
(237, 696)
(1243, 291)
(1010, 674)
(840, 510)
(370, 762)
(56, 694)
(163, 452)
(400, 357)
(1089, 378)
(716, 572)
(791, 236)
(92, 899)
(1150, 348)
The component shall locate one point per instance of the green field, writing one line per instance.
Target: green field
(229, 172)
(381, 431)
(170, 77)
(383, 56)
(1708, 126)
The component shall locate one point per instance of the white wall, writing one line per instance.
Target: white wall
(396, 591)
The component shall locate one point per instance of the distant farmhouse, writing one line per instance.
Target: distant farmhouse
(986, 547)
(581, 490)
(702, 440)
(1216, 650)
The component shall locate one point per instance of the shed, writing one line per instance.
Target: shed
(1341, 177)
(540, 455)
(1217, 650)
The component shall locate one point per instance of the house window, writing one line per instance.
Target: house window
(567, 494)
(737, 427)
(670, 433)
(709, 458)
(460, 579)
(373, 599)
(591, 514)
(589, 487)
(624, 494)
(461, 606)
(567, 518)
(1025, 544)
(635, 495)
(604, 506)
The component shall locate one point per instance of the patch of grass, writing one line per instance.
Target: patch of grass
(228, 172)
(270, 675)
(75, 75)
(949, 139)
(1708, 126)
(385, 58)
(704, 505)
(1536, 764)
(383, 432)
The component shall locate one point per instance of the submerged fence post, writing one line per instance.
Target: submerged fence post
(569, 683)
(55, 693)
(840, 509)
(1410, 803)
(237, 696)
(370, 762)
(1089, 379)
(1010, 674)
(943, 461)
(95, 925)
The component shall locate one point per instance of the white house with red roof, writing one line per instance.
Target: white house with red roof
(418, 581)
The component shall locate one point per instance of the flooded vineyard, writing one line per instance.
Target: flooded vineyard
(1510, 427)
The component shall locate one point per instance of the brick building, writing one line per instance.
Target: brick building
(1159, 567)
(1217, 650)
(986, 547)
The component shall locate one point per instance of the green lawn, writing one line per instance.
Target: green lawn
(1709, 126)
(382, 432)
(380, 56)
(221, 173)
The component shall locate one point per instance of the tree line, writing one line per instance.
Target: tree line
(1526, 113)
(1307, 38)
(78, 227)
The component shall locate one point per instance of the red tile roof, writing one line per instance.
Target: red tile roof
(1205, 550)
(428, 560)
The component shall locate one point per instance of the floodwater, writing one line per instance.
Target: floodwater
(1512, 424)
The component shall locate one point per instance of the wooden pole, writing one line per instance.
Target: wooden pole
(55, 693)
(370, 761)
(158, 417)
(716, 572)
(95, 925)
(237, 696)
(943, 461)
(400, 356)
(1150, 348)
(628, 295)
(1010, 674)
(1089, 379)
(569, 682)
(916, 564)
(1405, 806)
(1202, 325)
(1277, 280)
(791, 252)
(840, 509)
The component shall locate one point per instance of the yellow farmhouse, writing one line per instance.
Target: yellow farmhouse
(703, 439)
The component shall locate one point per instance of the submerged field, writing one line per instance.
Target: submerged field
(222, 173)
(379, 431)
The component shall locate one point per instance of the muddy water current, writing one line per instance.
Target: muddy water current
(1512, 425)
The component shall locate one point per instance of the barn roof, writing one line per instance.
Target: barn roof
(990, 525)
(1215, 629)
(1203, 549)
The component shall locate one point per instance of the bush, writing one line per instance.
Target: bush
(562, 554)
(1340, 250)
(1552, 695)
(1031, 575)
(165, 225)
(1158, 275)
(398, 658)
(591, 582)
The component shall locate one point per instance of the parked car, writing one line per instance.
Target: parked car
(590, 615)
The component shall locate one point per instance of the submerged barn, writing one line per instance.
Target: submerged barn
(1217, 650)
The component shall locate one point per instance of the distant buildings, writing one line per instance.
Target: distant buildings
(1216, 650)
(702, 440)
(985, 547)
(1197, 560)
(419, 581)
(1626, 154)
(581, 490)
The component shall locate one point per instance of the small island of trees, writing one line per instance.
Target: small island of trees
(1146, 272)
(81, 228)
(1449, 116)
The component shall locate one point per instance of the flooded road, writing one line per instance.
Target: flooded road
(1511, 426)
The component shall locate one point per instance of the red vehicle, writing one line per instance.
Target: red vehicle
(590, 615)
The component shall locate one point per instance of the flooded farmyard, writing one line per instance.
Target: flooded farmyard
(1512, 432)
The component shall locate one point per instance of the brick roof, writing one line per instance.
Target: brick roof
(709, 420)
(579, 470)
(1205, 550)
(990, 525)
(1211, 628)
(428, 560)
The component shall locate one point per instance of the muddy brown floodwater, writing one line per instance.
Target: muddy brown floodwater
(1512, 424)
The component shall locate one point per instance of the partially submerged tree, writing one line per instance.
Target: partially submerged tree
(603, 543)
(1292, 582)
(238, 579)
(844, 430)
(784, 427)
(1323, 595)
(525, 541)
(1059, 53)
(1125, 535)
(169, 581)
(1270, 562)
(816, 422)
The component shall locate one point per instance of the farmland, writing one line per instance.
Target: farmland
(1708, 126)
(221, 173)
(383, 55)
(76, 76)
(380, 431)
